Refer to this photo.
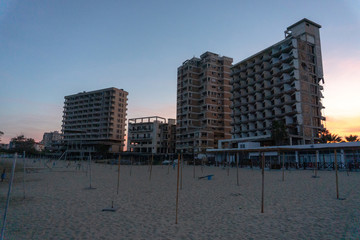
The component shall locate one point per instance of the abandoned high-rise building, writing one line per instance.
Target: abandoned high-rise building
(94, 121)
(281, 83)
(203, 100)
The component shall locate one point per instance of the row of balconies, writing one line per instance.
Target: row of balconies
(89, 137)
(246, 117)
(267, 95)
(88, 126)
(261, 102)
(252, 134)
(68, 120)
(282, 53)
(261, 110)
(243, 123)
(90, 102)
(268, 82)
(266, 73)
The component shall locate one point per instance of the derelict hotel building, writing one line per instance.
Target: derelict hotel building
(282, 82)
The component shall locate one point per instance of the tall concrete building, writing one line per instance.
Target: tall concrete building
(203, 100)
(152, 135)
(281, 83)
(94, 119)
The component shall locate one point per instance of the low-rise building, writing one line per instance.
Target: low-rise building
(51, 138)
(152, 135)
(319, 156)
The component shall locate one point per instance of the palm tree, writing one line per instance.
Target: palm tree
(334, 138)
(279, 133)
(352, 138)
(324, 136)
(327, 137)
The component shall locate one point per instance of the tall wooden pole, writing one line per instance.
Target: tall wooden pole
(181, 170)
(262, 183)
(90, 187)
(228, 164)
(118, 182)
(131, 162)
(152, 159)
(24, 174)
(8, 196)
(177, 190)
(336, 174)
(237, 168)
(194, 165)
(316, 163)
(168, 167)
(283, 167)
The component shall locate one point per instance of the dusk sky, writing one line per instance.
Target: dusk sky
(50, 49)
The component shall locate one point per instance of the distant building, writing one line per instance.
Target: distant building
(203, 100)
(280, 83)
(95, 118)
(4, 146)
(39, 147)
(151, 135)
(51, 138)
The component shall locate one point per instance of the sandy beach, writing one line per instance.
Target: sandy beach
(58, 204)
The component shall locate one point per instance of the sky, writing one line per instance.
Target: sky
(50, 49)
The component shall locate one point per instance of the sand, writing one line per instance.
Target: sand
(58, 204)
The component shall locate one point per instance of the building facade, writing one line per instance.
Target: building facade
(151, 135)
(94, 120)
(203, 100)
(313, 156)
(281, 83)
(49, 138)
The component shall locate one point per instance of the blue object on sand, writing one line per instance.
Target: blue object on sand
(207, 176)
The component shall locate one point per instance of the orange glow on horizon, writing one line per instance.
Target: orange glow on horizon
(343, 126)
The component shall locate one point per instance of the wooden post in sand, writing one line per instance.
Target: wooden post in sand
(168, 167)
(228, 164)
(181, 170)
(237, 168)
(90, 177)
(177, 190)
(24, 174)
(194, 165)
(152, 159)
(283, 167)
(118, 182)
(262, 182)
(316, 163)
(131, 162)
(8, 196)
(336, 174)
